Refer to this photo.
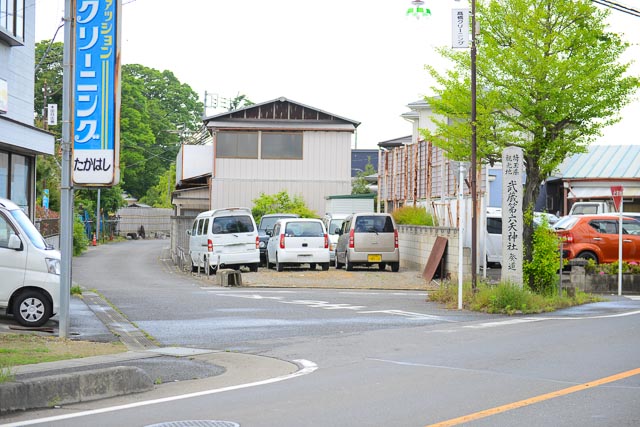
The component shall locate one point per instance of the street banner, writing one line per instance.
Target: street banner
(96, 93)
(460, 28)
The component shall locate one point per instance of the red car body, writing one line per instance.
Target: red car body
(596, 237)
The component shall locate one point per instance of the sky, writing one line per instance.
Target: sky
(361, 60)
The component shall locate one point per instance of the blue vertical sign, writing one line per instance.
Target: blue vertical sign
(96, 96)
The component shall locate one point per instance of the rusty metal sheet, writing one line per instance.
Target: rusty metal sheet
(435, 258)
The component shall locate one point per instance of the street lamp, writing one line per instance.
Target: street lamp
(418, 10)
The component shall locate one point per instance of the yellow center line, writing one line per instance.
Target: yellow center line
(536, 399)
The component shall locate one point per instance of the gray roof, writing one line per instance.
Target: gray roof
(604, 161)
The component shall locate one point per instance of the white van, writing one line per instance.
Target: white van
(29, 269)
(333, 224)
(224, 238)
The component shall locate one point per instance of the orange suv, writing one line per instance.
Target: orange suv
(596, 237)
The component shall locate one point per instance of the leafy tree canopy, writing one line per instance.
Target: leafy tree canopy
(548, 81)
(280, 203)
(360, 184)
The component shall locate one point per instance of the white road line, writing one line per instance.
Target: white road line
(540, 319)
(307, 368)
(633, 297)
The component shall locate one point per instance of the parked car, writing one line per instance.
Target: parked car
(297, 241)
(368, 239)
(596, 237)
(493, 236)
(267, 222)
(224, 238)
(333, 223)
(29, 268)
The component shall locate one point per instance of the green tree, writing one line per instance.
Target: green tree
(280, 203)
(240, 101)
(159, 196)
(548, 78)
(360, 185)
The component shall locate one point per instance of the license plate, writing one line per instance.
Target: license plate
(374, 258)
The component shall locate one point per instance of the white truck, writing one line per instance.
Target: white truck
(590, 208)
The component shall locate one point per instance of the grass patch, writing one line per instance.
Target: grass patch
(26, 349)
(506, 298)
(76, 290)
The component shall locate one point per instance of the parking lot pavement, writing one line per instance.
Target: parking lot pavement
(359, 278)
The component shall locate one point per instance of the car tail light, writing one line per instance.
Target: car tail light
(326, 241)
(282, 241)
(351, 237)
(257, 242)
(209, 245)
(395, 238)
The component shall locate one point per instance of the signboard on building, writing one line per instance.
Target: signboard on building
(96, 88)
(460, 28)
(4, 97)
(512, 223)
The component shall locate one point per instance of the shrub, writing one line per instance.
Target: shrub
(411, 215)
(80, 239)
(542, 272)
(280, 203)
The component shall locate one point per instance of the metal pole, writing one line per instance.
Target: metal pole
(98, 218)
(461, 214)
(620, 249)
(474, 196)
(66, 191)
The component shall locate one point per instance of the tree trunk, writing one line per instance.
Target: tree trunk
(531, 192)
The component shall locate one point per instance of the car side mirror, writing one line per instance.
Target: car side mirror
(336, 231)
(269, 232)
(188, 232)
(15, 243)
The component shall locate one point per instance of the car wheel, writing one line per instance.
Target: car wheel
(312, 266)
(279, 267)
(348, 264)
(588, 255)
(395, 267)
(325, 266)
(32, 309)
(253, 268)
(194, 268)
(267, 261)
(337, 265)
(382, 266)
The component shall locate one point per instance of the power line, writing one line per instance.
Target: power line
(619, 7)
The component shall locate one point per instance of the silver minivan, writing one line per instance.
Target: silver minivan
(224, 238)
(368, 239)
(29, 269)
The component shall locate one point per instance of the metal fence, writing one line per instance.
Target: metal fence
(156, 221)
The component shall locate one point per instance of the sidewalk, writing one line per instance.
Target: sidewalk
(145, 368)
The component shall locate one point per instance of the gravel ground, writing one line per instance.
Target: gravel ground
(359, 278)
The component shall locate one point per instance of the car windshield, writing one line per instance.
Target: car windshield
(374, 224)
(30, 230)
(232, 224)
(304, 229)
(335, 225)
(268, 222)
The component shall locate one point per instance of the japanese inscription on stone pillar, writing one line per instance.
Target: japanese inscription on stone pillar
(512, 192)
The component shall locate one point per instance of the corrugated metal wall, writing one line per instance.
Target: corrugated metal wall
(324, 170)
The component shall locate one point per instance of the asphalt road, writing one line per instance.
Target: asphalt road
(383, 358)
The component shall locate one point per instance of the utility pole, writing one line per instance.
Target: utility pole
(66, 190)
(474, 191)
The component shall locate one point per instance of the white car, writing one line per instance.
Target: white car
(297, 241)
(224, 238)
(29, 269)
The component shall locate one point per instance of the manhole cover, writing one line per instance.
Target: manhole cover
(196, 423)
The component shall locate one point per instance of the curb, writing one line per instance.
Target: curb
(55, 390)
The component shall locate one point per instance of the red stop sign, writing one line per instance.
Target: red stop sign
(616, 192)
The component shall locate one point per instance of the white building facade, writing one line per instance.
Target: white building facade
(20, 141)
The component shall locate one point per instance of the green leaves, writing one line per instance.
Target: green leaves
(280, 203)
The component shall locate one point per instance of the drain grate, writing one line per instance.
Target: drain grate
(196, 423)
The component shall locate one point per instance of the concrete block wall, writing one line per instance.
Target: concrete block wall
(416, 244)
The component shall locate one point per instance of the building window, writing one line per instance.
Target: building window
(237, 145)
(4, 175)
(20, 181)
(12, 21)
(281, 145)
